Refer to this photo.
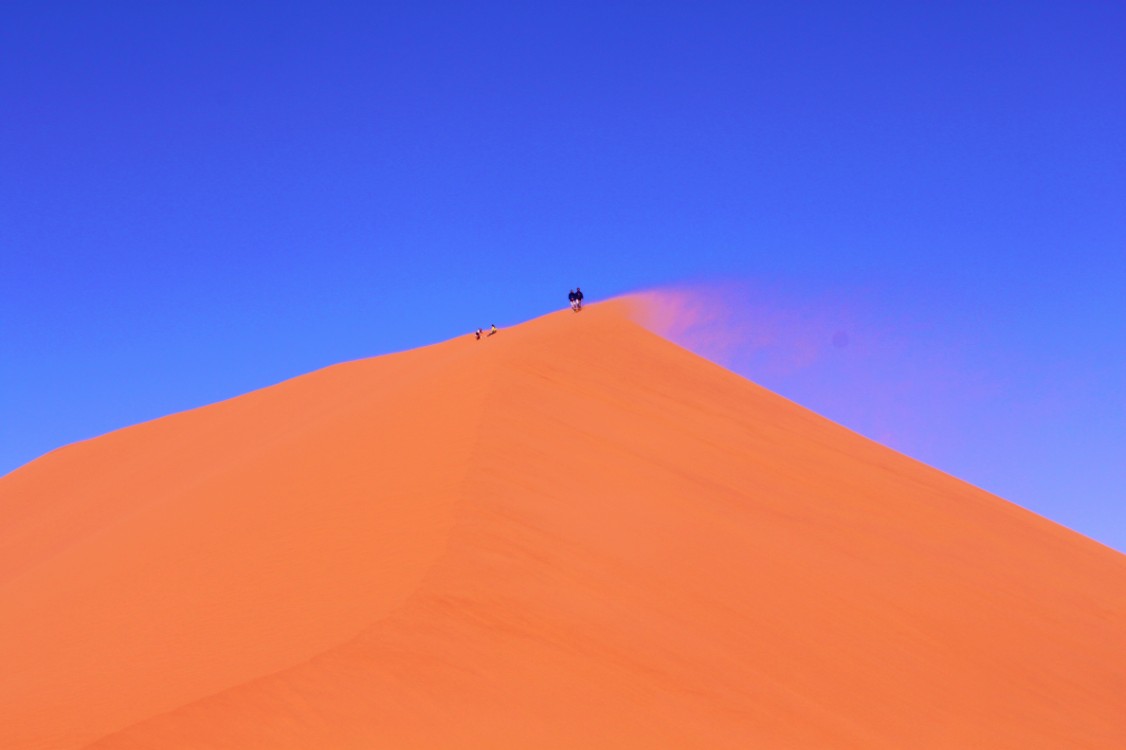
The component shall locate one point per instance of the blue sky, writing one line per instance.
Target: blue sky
(915, 215)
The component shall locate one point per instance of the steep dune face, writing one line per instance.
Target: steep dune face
(570, 534)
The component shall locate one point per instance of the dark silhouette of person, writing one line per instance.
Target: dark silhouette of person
(578, 298)
(572, 299)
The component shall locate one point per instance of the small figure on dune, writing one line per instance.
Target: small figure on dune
(573, 300)
(493, 329)
(478, 332)
(578, 299)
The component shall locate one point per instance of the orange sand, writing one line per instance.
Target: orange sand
(573, 534)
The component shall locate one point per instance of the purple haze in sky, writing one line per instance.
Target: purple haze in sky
(999, 417)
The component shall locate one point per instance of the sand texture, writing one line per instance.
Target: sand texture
(572, 534)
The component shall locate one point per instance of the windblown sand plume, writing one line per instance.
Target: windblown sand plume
(572, 534)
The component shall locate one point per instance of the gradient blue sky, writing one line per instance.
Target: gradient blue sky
(909, 217)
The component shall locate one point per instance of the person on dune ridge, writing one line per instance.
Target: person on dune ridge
(578, 299)
(573, 300)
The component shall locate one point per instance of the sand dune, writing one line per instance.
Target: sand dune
(571, 534)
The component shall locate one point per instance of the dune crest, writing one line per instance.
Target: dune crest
(571, 534)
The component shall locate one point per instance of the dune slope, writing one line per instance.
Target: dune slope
(571, 534)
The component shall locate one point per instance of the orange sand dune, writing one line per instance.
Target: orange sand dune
(573, 534)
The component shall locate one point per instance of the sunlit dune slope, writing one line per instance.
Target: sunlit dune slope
(571, 534)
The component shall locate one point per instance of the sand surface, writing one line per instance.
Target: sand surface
(572, 534)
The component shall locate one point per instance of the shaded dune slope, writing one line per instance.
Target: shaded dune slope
(571, 534)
